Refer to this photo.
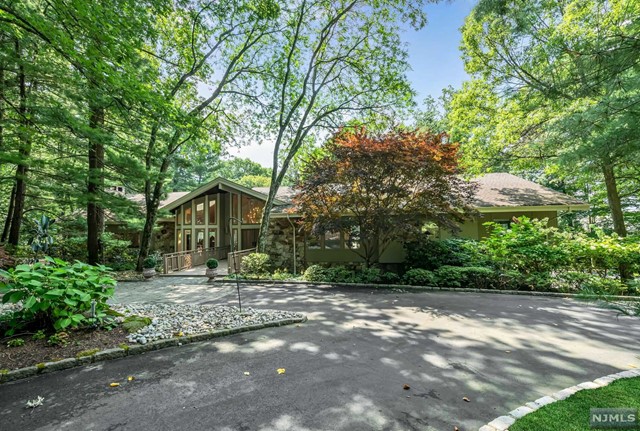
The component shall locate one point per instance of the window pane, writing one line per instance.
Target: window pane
(212, 238)
(353, 238)
(251, 209)
(178, 216)
(199, 238)
(234, 207)
(187, 240)
(332, 240)
(179, 248)
(187, 214)
(313, 243)
(200, 211)
(212, 209)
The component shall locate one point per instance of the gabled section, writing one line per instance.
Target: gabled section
(221, 184)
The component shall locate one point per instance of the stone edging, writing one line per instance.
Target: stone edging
(431, 289)
(136, 349)
(503, 423)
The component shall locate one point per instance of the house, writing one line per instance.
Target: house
(222, 214)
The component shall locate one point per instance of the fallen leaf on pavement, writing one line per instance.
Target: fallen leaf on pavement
(466, 399)
(247, 373)
(131, 378)
(281, 370)
(114, 384)
(406, 387)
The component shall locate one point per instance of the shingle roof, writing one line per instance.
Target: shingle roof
(506, 190)
(171, 197)
(285, 193)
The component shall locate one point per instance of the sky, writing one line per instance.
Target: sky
(434, 57)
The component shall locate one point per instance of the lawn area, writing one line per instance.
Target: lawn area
(572, 414)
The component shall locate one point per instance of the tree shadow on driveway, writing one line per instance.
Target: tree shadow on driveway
(345, 367)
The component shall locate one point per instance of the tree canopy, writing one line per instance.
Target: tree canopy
(376, 189)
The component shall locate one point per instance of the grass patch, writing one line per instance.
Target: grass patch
(572, 414)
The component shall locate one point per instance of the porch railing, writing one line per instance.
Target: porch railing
(188, 259)
(234, 260)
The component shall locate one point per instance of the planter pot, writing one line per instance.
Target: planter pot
(211, 273)
(148, 272)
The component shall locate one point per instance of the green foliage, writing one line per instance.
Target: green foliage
(282, 275)
(419, 277)
(56, 294)
(133, 324)
(86, 353)
(16, 342)
(39, 335)
(41, 238)
(431, 254)
(58, 339)
(149, 262)
(116, 253)
(315, 274)
(258, 264)
(212, 263)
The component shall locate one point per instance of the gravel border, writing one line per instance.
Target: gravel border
(422, 288)
(115, 353)
(503, 423)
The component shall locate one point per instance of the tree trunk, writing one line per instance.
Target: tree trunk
(95, 213)
(266, 216)
(25, 151)
(7, 220)
(613, 197)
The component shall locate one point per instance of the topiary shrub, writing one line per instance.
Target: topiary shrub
(419, 277)
(256, 264)
(212, 263)
(150, 262)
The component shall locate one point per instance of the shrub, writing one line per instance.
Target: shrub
(280, 274)
(315, 274)
(368, 276)
(116, 253)
(419, 277)
(39, 335)
(479, 277)
(340, 274)
(449, 276)
(212, 263)
(150, 262)
(256, 264)
(56, 294)
(58, 339)
(431, 254)
(390, 278)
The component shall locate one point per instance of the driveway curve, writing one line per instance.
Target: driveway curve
(345, 367)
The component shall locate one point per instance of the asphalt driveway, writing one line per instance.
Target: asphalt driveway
(345, 367)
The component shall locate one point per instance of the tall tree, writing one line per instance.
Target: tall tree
(333, 60)
(376, 189)
(563, 80)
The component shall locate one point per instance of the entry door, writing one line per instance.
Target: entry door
(187, 240)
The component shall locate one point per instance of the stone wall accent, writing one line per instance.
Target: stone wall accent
(280, 244)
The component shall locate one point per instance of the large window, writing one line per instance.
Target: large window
(251, 209)
(178, 216)
(199, 239)
(212, 209)
(332, 240)
(234, 208)
(187, 214)
(200, 211)
(313, 242)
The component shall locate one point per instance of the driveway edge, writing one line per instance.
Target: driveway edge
(136, 349)
(432, 289)
(503, 423)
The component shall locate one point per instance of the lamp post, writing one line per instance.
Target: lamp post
(235, 264)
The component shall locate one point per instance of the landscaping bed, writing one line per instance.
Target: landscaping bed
(572, 413)
(79, 342)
